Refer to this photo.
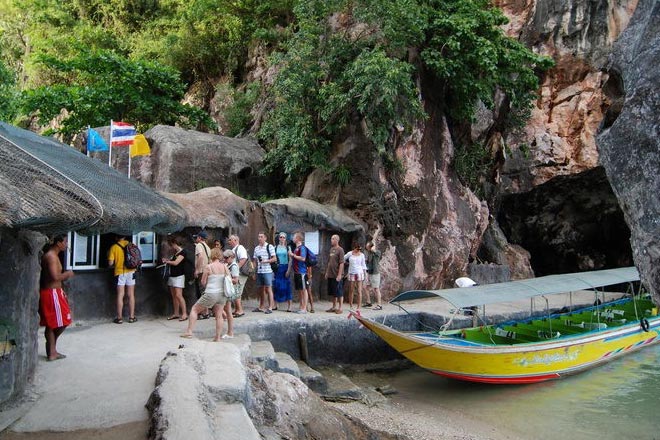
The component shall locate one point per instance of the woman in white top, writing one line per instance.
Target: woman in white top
(214, 297)
(357, 269)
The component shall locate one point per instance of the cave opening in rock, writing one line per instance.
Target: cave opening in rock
(569, 224)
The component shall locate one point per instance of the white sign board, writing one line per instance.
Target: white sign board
(312, 241)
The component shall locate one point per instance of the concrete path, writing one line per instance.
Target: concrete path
(110, 369)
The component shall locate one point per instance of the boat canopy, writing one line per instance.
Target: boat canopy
(522, 289)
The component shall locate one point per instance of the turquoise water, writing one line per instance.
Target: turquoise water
(619, 400)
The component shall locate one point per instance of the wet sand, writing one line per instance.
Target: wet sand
(129, 431)
(416, 412)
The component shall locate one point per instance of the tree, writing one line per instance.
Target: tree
(329, 76)
(8, 94)
(97, 86)
(356, 59)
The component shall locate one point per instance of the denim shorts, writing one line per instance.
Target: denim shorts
(265, 279)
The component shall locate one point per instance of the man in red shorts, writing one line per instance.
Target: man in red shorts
(53, 306)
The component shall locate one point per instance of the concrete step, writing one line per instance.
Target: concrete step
(243, 343)
(286, 364)
(263, 353)
(233, 423)
(223, 372)
(312, 378)
(340, 388)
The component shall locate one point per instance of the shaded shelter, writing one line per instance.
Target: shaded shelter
(74, 192)
(319, 222)
(50, 188)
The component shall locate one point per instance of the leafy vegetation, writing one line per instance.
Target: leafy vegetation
(98, 86)
(355, 61)
(472, 164)
(8, 94)
(339, 64)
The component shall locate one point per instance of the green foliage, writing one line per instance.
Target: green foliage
(95, 87)
(342, 175)
(329, 78)
(238, 115)
(8, 94)
(363, 70)
(473, 163)
(467, 48)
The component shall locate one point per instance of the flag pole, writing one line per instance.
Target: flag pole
(129, 161)
(110, 147)
(87, 148)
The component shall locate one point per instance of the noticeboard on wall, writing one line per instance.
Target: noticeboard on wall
(312, 241)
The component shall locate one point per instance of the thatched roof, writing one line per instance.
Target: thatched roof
(324, 217)
(214, 207)
(51, 187)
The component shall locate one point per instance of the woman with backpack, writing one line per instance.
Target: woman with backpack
(282, 284)
(177, 279)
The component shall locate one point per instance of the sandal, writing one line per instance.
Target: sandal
(183, 319)
(238, 315)
(132, 320)
(203, 316)
(171, 318)
(118, 321)
(378, 307)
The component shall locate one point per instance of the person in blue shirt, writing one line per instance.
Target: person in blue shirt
(282, 284)
(298, 258)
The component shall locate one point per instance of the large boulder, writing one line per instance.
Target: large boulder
(629, 141)
(186, 160)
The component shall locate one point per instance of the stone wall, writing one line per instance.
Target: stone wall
(19, 318)
(92, 295)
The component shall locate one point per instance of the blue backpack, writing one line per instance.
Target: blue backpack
(311, 259)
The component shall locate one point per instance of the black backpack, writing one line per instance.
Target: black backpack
(274, 265)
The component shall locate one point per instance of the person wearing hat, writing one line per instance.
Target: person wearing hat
(282, 284)
(202, 253)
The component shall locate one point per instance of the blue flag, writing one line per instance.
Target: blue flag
(95, 142)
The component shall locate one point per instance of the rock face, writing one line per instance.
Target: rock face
(19, 319)
(629, 141)
(559, 139)
(426, 224)
(185, 160)
(218, 391)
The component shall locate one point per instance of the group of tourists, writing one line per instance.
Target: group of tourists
(219, 277)
(278, 270)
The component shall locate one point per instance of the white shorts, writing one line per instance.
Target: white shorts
(356, 276)
(179, 281)
(374, 280)
(126, 279)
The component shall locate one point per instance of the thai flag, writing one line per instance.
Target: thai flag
(121, 134)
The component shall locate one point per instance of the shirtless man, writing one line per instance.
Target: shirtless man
(53, 306)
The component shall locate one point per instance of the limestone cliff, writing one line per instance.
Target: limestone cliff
(629, 141)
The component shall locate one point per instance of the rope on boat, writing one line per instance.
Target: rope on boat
(416, 319)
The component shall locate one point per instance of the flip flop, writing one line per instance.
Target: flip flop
(59, 356)
(183, 319)
(171, 318)
(238, 315)
(184, 336)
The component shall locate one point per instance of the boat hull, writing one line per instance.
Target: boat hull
(519, 363)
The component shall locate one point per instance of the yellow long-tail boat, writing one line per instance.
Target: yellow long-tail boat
(536, 349)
